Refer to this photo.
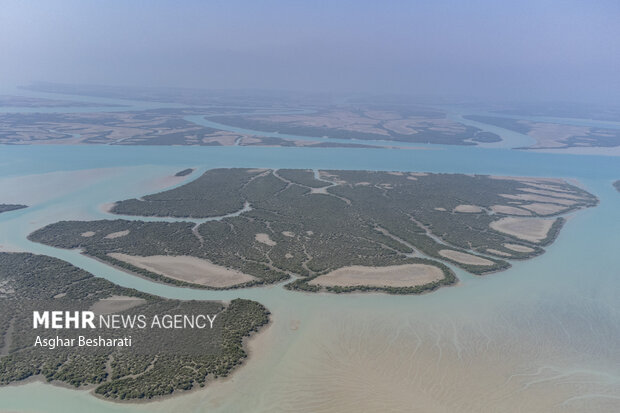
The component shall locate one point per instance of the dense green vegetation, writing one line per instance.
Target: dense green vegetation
(11, 207)
(303, 177)
(217, 192)
(303, 227)
(150, 368)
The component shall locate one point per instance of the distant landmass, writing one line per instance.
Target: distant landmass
(11, 207)
(259, 113)
(31, 102)
(550, 135)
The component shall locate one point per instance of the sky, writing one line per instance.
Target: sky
(526, 50)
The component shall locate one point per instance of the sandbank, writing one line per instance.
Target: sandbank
(519, 248)
(468, 209)
(116, 304)
(528, 229)
(407, 275)
(117, 234)
(464, 258)
(264, 238)
(186, 268)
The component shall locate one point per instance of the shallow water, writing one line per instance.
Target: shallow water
(541, 336)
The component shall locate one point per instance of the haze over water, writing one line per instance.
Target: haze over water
(540, 337)
(485, 50)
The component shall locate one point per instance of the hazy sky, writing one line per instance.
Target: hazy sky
(489, 49)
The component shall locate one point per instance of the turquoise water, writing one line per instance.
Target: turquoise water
(542, 336)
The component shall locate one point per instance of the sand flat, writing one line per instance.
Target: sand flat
(116, 304)
(519, 248)
(117, 234)
(322, 190)
(553, 193)
(406, 275)
(528, 229)
(539, 198)
(264, 239)
(464, 258)
(498, 252)
(529, 180)
(87, 234)
(187, 268)
(470, 209)
(544, 209)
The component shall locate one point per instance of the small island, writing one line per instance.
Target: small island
(184, 172)
(617, 185)
(152, 367)
(11, 207)
(336, 231)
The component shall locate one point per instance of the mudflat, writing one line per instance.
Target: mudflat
(528, 229)
(407, 275)
(186, 268)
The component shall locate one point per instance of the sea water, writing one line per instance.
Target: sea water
(541, 336)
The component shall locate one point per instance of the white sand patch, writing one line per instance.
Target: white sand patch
(108, 207)
(256, 170)
(418, 174)
(519, 248)
(544, 209)
(529, 180)
(464, 258)
(547, 187)
(288, 255)
(539, 198)
(116, 304)
(362, 184)
(468, 209)
(322, 190)
(412, 178)
(440, 209)
(310, 232)
(505, 209)
(396, 173)
(87, 234)
(552, 193)
(497, 252)
(264, 238)
(407, 275)
(288, 234)
(186, 268)
(528, 229)
(117, 234)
